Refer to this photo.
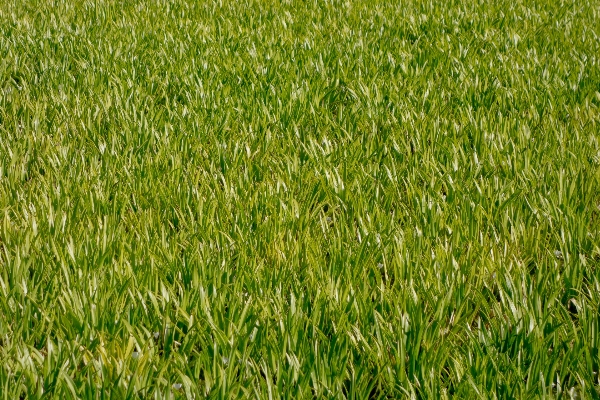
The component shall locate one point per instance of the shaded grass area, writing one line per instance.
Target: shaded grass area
(290, 199)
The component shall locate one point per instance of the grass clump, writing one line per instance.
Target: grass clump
(285, 199)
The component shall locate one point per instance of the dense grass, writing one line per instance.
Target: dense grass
(321, 199)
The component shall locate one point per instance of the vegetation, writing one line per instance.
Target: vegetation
(290, 199)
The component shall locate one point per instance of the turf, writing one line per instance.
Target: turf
(290, 199)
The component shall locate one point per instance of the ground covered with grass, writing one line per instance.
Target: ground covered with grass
(322, 199)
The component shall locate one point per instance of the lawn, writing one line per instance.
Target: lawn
(299, 199)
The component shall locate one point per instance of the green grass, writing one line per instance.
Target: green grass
(321, 199)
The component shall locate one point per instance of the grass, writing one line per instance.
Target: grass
(288, 199)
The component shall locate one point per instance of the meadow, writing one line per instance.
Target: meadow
(299, 199)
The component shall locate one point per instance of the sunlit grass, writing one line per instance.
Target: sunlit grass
(323, 199)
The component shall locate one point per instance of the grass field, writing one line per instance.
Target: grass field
(289, 199)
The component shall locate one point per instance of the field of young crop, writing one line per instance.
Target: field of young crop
(299, 199)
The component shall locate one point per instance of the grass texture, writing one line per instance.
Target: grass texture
(299, 199)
